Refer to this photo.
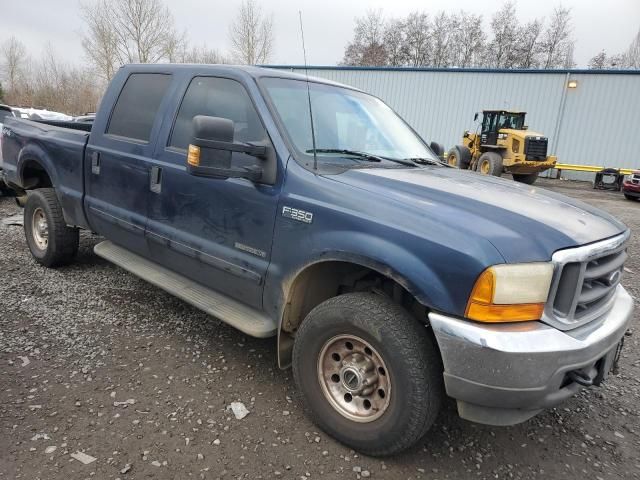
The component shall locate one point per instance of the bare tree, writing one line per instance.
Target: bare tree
(468, 42)
(502, 50)
(556, 40)
(418, 39)
(202, 55)
(443, 35)
(598, 61)
(100, 41)
(251, 34)
(633, 53)
(14, 59)
(367, 48)
(128, 31)
(394, 42)
(528, 48)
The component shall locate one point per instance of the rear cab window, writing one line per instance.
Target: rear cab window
(137, 106)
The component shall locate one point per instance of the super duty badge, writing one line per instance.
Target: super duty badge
(297, 214)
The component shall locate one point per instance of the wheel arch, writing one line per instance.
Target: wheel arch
(35, 169)
(325, 278)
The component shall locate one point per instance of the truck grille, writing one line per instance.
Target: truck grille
(635, 178)
(535, 148)
(585, 282)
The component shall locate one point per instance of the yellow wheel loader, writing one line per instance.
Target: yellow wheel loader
(503, 145)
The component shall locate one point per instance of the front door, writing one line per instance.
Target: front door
(116, 167)
(218, 232)
(489, 134)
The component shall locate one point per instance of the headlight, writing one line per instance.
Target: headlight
(510, 293)
(502, 136)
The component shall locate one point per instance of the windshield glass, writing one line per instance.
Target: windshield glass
(511, 120)
(343, 119)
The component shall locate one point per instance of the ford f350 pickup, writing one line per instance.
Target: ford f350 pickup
(389, 279)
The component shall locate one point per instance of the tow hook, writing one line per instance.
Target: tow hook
(580, 377)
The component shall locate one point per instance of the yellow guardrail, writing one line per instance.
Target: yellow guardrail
(589, 168)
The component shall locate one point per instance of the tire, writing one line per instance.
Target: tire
(51, 242)
(529, 178)
(490, 163)
(630, 197)
(407, 352)
(437, 148)
(459, 156)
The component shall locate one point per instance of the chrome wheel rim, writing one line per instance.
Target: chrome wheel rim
(40, 229)
(354, 378)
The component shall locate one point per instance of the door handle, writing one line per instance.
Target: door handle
(155, 181)
(95, 163)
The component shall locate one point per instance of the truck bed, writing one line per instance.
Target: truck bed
(59, 149)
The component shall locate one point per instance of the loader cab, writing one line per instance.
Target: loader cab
(495, 120)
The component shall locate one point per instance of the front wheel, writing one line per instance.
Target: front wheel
(51, 242)
(490, 163)
(630, 197)
(370, 373)
(528, 178)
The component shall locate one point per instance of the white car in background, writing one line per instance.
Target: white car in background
(41, 114)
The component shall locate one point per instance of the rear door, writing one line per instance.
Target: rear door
(116, 168)
(215, 231)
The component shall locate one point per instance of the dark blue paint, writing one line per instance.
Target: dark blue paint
(433, 229)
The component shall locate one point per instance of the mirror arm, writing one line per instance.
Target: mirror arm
(249, 149)
(250, 173)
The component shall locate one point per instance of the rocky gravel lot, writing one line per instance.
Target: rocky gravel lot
(97, 366)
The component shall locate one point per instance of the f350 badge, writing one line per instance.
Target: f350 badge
(297, 214)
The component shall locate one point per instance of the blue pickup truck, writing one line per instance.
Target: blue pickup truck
(309, 211)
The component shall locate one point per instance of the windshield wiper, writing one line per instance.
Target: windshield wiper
(360, 155)
(370, 157)
(426, 161)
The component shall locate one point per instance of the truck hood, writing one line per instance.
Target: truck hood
(524, 222)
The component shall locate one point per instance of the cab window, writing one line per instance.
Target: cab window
(217, 97)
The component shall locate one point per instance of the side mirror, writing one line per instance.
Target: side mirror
(212, 146)
(475, 117)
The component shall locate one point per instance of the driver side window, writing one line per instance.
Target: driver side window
(217, 97)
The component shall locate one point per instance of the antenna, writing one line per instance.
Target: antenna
(306, 73)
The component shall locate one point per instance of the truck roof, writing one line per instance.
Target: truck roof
(502, 110)
(250, 71)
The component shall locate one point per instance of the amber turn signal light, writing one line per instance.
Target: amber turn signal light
(193, 156)
(510, 293)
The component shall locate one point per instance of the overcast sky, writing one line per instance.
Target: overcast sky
(597, 24)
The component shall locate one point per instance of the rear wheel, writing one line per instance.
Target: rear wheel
(370, 373)
(437, 148)
(490, 163)
(459, 156)
(51, 242)
(529, 178)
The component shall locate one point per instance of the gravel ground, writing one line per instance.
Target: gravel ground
(93, 360)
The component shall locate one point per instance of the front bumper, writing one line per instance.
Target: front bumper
(503, 374)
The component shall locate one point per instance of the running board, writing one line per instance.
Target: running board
(244, 318)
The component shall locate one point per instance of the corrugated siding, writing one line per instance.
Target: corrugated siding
(597, 123)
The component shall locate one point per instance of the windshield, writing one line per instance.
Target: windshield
(511, 120)
(343, 119)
